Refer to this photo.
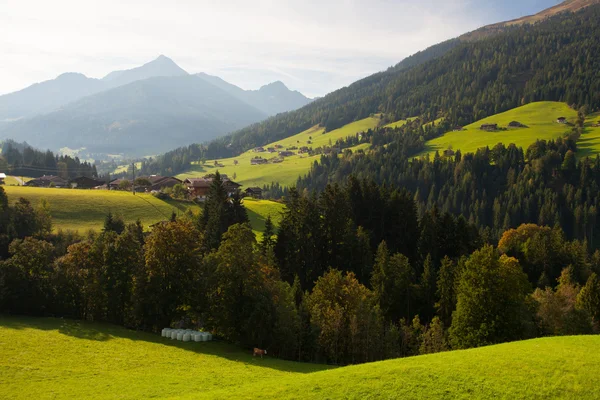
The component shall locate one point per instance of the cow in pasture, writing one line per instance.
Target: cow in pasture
(259, 352)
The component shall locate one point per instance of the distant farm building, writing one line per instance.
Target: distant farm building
(489, 127)
(258, 161)
(561, 120)
(259, 149)
(458, 128)
(48, 181)
(199, 187)
(254, 192)
(449, 153)
(286, 153)
(159, 182)
(271, 150)
(516, 124)
(85, 182)
(2, 178)
(303, 149)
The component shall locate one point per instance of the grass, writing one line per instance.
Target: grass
(82, 210)
(287, 172)
(400, 124)
(588, 144)
(87, 360)
(259, 210)
(540, 118)
(11, 181)
(63, 359)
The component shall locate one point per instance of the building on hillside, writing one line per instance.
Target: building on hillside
(561, 120)
(115, 184)
(158, 182)
(259, 149)
(48, 181)
(258, 161)
(286, 153)
(489, 127)
(199, 187)
(2, 178)
(254, 192)
(303, 149)
(278, 146)
(85, 182)
(449, 153)
(271, 150)
(458, 128)
(516, 124)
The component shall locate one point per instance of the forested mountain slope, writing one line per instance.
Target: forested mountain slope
(555, 60)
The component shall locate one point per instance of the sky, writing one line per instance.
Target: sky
(314, 46)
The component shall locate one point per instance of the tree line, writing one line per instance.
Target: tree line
(20, 159)
(353, 274)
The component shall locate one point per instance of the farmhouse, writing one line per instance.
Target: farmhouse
(303, 149)
(449, 152)
(259, 149)
(255, 192)
(286, 153)
(258, 161)
(85, 182)
(159, 182)
(271, 150)
(47, 181)
(561, 120)
(199, 187)
(489, 127)
(458, 128)
(2, 178)
(115, 183)
(516, 124)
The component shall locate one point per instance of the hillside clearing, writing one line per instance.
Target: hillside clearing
(89, 360)
(287, 172)
(82, 210)
(540, 119)
(99, 361)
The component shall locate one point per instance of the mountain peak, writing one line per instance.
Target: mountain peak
(160, 66)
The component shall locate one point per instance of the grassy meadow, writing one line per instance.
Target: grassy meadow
(90, 360)
(82, 210)
(588, 144)
(540, 119)
(287, 172)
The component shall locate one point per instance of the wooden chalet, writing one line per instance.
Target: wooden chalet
(449, 153)
(286, 153)
(259, 149)
(258, 161)
(159, 182)
(199, 187)
(85, 182)
(489, 127)
(561, 120)
(48, 181)
(515, 124)
(254, 192)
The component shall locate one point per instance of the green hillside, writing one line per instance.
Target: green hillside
(588, 144)
(540, 119)
(89, 360)
(82, 210)
(292, 167)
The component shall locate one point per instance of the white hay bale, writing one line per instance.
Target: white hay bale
(187, 337)
(197, 337)
(210, 336)
(174, 334)
(180, 335)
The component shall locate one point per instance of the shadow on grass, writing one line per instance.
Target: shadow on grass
(104, 332)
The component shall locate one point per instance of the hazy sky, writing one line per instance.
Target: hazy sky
(312, 46)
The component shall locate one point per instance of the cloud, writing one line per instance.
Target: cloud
(313, 46)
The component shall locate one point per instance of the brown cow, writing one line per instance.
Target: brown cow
(259, 352)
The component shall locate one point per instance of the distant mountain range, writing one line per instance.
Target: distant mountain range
(136, 112)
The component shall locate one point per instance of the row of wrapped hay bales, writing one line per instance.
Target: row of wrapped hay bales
(186, 335)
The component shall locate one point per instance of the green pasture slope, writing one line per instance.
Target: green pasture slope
(287, 172)
(588, 144)
(540, 119)
(82, 210)
(63, 359)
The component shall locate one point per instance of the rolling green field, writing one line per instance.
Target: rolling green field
(89, 360)
(540, 119)
(588, 144)
(287, 172)
(82, 210)
(400, 124)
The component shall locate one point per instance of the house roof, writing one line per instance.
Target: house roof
(48, 178)
(254, 189)
(2, 175)
(206, 182)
